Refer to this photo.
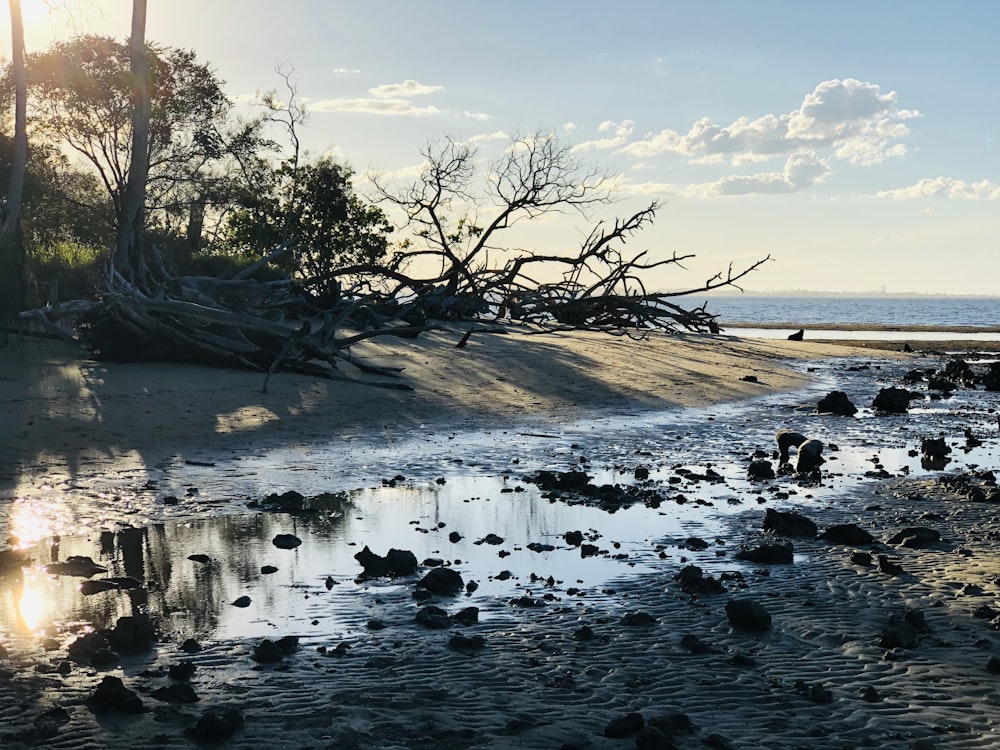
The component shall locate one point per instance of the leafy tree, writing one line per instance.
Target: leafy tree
(314, 209)
(82, 97)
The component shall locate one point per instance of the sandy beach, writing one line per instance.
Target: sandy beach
(884, 641)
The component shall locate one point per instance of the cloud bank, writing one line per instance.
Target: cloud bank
(853, 119)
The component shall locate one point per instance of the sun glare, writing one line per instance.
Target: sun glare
(31, 608)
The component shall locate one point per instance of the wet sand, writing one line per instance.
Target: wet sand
(565, 665)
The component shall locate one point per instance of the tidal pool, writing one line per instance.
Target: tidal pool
(414, 491)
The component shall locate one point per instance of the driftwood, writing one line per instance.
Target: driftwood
(272, 325)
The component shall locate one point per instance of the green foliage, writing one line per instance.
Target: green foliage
(76, 269)
(80, 97)
(315, 208)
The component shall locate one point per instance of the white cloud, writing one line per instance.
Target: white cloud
(405, 89)
(569, 127)
(853, 118)
(478, 115)
(948, 187)
(346, 71)
(622, 130)
(373, 107)
(498, 135)
(801, 171)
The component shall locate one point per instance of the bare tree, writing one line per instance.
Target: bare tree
(456, 231)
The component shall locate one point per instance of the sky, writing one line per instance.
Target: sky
(852, 142)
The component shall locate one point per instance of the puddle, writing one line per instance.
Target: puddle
(471, 483)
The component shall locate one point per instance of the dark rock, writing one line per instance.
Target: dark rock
(898, 634)
(695, 543)
(268, 652)
(871, 695)
(748, 614)
(397, 562)
(199, 558)
(673, 724)
(809, 456)
(585, 633)
(433, 617)
(132, 635)
(288, 644)
(573, 538)
(104, 657)
(442, 581)
(459, 642)
(560, 480)
(454, 537)
(861, 558)
(624, 726)
(242, 602)
(638, 619)
(941, 384)
(934, 448)
(693, 580)
(267, 570)
(847, 533)
(885, 565)
(991, 379)
(915, 537)
(286, 541)
(836, 402)
(641, 473)
(181, 672)
(797, 336)
(768, 554)
(286, 502)
(190, 646)
(111, 696)
(718, 742)
(789, 524)
(958, 369)
(750, 379)
(760, 470)
(589, 550)
(466, 616)
(216, 725)
(651, 738)
(894, 400)
(696, 645)
(176, 693)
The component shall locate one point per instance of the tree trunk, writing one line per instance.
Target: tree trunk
(12, 247)
(129, 259)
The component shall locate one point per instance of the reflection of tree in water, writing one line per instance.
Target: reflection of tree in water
(186, 598)
(183, 597)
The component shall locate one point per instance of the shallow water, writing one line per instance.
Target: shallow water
(467, 482)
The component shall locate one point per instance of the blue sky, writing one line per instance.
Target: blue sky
(854, 142)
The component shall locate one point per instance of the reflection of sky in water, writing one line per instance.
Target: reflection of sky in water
(191, 599)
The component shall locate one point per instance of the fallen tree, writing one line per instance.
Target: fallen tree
(453, 269)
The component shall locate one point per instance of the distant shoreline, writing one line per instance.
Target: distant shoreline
(863, 327)
(799, 294)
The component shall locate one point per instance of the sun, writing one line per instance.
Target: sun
(39, 12)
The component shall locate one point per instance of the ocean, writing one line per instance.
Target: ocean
(862, 316)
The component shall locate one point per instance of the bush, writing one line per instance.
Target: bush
(76, 269)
